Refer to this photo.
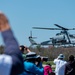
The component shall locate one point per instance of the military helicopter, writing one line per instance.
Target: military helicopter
(62, 38)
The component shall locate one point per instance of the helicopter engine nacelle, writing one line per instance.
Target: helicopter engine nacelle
(59, 37)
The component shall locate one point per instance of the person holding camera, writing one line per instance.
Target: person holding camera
(23, 49)
(30, 66)
(60, 64)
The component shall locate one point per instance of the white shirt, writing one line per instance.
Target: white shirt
(5, 64)
(60, 66)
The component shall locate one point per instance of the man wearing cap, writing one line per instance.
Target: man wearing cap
(30, 68)
(60, 64)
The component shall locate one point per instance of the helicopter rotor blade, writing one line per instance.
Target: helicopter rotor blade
(73, 28)
(63, 28)
(60, 28)
(46, 28)
(31, 35)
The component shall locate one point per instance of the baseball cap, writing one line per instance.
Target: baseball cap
(61, 56)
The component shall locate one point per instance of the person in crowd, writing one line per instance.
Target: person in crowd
(30, 66)
(11, 62)
(60, 65)
(70, 66)
(23, 49)
(47, 69)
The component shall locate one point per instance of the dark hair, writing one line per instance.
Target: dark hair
(71, 58)
(22, 47)
(48, 64)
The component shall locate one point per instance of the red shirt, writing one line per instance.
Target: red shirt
(47, 69)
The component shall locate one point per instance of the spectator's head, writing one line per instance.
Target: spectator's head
(22, 48)
(48, 64)
(71, 58)
(61, 56)
(32, 56)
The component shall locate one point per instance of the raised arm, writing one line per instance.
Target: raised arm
(11, 45)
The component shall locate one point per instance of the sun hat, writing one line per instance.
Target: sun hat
(61, 56)
(32, 55)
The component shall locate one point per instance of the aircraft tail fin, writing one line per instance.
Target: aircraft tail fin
(31, 39)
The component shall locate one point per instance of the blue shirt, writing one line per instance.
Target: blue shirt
(11, 62)
(33, 69)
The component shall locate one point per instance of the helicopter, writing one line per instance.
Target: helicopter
(61, 38)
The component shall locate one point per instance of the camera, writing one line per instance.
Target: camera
(45, 58)
(42, 59)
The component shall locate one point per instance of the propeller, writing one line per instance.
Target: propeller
(31, 35)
